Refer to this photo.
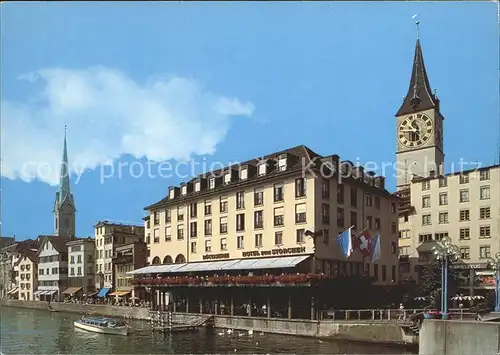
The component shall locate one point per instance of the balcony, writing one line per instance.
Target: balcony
(123, 258)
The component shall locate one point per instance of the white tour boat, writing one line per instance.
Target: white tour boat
(101, 325)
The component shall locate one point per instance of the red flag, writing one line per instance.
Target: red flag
(362, 242)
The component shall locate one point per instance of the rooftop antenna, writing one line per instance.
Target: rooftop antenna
(415, 99)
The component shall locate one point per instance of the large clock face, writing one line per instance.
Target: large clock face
(415, 130)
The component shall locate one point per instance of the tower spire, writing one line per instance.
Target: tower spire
(64, 205)
(419, 96)
(64, 183)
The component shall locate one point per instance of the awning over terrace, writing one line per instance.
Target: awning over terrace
(71, 290)
(14, 290)
(44, 292)
(282, 262)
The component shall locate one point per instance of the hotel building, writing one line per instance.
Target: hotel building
(280, 213)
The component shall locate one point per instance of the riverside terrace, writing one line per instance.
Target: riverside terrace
(273, 287)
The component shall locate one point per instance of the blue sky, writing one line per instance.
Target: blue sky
(223, 82)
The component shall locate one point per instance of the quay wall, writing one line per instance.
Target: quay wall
(441, 337)
(361, 331)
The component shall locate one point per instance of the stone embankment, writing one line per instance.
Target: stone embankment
(440, 337)
(379, 332)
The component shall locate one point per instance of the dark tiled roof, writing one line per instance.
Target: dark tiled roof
(107, 223)
(59, 242)
(300, 157)
(419, 96)
(28, 253)
(300, 153)
(76, 241)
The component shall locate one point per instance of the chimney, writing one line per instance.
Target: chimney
(360, 173)
(380, 182)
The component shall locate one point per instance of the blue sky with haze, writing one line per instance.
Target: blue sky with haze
(223, 82)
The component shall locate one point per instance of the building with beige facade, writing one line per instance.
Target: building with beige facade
(10, 271)
(462, 205)
(27, 274)
(109, 236)
(264, 207)
(81, 267)
(276, 215)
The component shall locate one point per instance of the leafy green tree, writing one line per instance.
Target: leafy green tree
(430, 285)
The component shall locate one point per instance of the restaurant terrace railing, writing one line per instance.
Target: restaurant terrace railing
(226, 280)
(387, 315)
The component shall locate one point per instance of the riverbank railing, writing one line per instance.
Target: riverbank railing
(386, 315)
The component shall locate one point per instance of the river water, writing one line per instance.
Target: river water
(27, 331)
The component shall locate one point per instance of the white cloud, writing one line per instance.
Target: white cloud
(109, 115)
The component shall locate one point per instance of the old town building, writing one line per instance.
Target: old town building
(27, 278)
(81, 267)
(9, 268)
(52, 267)
(127, 258)
(109, 236)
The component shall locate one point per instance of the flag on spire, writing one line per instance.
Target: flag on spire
(345, 241)
(375, 247)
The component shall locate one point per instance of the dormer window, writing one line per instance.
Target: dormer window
(184, 190)
(227, 178)
(197, 186)
(262, 169)
(282, 163)
(211, 183)
(171, 194)
(243, 174)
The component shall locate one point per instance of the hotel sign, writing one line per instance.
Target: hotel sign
(272, 252)
(216, 256)
(469, 266)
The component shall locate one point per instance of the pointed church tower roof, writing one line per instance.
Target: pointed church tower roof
(419, 96)
(64, 182)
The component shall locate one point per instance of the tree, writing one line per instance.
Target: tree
(484, 305)
(430, 286)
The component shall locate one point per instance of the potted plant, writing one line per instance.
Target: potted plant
(432, 314)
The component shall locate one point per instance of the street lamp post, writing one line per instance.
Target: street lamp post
(495, 264)
(445, 252)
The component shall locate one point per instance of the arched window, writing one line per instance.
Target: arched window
(168, 260)
(180, 259)
(156, 261)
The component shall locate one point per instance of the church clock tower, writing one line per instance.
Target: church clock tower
(419, 127)
(64, 205)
